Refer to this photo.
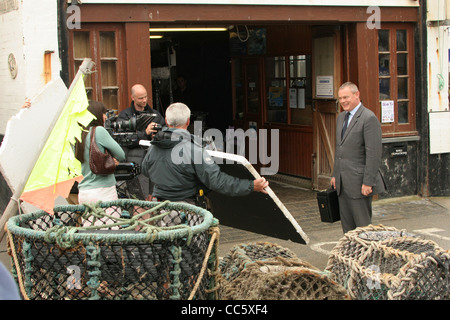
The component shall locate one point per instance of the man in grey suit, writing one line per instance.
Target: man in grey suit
(356, 174)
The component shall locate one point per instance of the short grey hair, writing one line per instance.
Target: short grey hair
(177, 114)
(353, 87)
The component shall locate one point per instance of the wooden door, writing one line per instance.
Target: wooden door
(247, 93)
(253, 91)
(327, 77)
(247, 107)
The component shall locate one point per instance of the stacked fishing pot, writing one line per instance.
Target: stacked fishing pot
(267, 271)
(384, 263)
(123, 249)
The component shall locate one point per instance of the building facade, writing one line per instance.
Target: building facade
(29, 52)
(277, 66)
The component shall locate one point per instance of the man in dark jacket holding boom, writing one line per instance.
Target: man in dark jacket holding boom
(179, 166)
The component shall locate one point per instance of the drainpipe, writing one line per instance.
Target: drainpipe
(422, 111)
(63, 42)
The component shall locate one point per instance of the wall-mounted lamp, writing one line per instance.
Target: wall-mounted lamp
(156, 37)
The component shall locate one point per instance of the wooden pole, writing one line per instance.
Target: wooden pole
(13, 204)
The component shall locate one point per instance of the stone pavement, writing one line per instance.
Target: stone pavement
(302, 204)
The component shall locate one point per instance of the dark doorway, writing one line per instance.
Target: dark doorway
(203, 59)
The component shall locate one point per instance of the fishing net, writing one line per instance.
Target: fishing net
(378, 262)
(266, 271)
(123, 249)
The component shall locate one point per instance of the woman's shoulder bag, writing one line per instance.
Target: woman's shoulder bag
(101, 163)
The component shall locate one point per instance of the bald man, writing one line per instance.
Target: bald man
(135, 153)
(138, 106)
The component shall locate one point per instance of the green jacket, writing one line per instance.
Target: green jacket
(179, 167)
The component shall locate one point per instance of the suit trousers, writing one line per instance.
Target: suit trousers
(355, 212)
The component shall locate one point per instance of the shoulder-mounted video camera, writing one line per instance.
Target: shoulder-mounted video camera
(124, 132)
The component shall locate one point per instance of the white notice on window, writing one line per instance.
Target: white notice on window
(293, 97)
(387, 111)
(439, 132)
(301, 98)
(324, 86)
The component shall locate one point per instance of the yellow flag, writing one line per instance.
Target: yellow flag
(57, 168)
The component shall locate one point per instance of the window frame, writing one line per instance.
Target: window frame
(96, 87)
(395, 128)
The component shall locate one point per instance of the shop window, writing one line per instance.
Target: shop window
(396, 79)
(288, 89)
(276, 77)
(102, 46)
(300, 90)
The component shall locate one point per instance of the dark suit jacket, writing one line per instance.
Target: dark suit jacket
(358, 154)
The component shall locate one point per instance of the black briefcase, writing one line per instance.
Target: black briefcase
(328, 205)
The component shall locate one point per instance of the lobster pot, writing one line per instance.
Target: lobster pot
(123, 249)
(378, 262)
(266, 271)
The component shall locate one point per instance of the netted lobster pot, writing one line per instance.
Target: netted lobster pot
(123, 249)
(378, 262)
(265, 271)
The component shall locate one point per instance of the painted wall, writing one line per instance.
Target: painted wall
(438, 34)
(438, 57)
(27, 30)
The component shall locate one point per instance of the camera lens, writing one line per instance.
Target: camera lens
(125, 125)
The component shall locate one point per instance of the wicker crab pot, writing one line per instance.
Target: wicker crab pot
(266, 271)
(384, 263)
(123, 249)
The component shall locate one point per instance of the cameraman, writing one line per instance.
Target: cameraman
(133, 152)
(177, 180)
(138, 106)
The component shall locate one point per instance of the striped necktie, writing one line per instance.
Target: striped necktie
(347, 115)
